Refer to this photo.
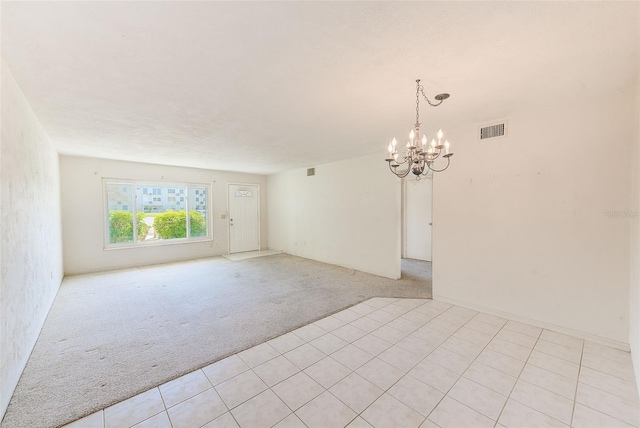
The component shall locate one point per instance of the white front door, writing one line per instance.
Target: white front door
(244, 218)
(417, 219)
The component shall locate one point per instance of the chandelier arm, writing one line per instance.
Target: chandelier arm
(440, 170)
(437, 155)
(395, 171)
(405, 172)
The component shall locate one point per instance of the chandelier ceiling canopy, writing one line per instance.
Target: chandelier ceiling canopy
(418, 156)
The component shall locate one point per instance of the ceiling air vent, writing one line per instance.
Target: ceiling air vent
(493, 131)
(311, 171)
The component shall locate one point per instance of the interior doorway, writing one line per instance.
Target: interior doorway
(244, 218)
(416, 215)
(417, 200)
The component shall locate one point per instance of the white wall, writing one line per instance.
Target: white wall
(31, 246)
(520, 224)
(84, 217)
(347, 214)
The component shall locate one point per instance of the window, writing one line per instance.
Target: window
(243, 193)
(199, 212)
(120, 219)
(137, 220)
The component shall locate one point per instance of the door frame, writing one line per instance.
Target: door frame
(229, 214)
(403, 219)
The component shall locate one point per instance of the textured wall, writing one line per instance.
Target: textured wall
(347, 214)
(31, 264)
(535, 225)
(84, 219)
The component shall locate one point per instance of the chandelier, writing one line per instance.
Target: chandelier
(419, 155)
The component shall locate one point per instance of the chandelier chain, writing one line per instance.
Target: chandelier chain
(420, 90)
(418, 103)
(426, 98)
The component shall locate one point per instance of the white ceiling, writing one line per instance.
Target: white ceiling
(269, 86)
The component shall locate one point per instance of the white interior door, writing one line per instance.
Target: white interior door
(417, 219)
(244, 218)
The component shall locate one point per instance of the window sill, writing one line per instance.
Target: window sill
(159, 243)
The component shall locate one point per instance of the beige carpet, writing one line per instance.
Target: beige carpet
(112, 335)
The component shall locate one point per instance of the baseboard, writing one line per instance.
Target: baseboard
(558, 329)
(347, 266)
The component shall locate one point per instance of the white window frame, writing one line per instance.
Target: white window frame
(160, 242)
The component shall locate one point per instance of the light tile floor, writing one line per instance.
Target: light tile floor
(398, 363)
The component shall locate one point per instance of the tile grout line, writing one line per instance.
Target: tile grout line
(608, 374)
(518, 378)
(269, 388)
(376, 356)
(164, 404)
(354, 371)
(328, 355)
(407, 373)
(371, 359)
(470, 364)
(580, 366)
(575, 396)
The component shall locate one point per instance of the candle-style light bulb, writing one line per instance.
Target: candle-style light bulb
(394, 142)
(390, 148)
(440, 134)
(446, 147)
(424, 140)
(412, 135)
(433, 143)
